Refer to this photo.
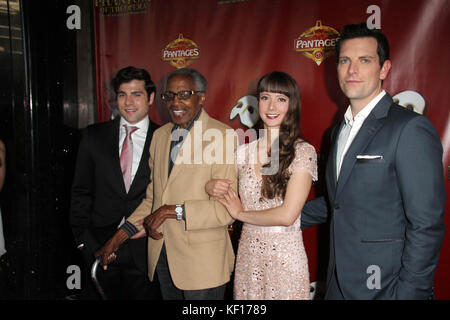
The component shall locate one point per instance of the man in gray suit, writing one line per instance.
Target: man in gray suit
(385, 188)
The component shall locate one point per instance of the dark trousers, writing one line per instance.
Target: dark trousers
(6, 289)
(170, 292)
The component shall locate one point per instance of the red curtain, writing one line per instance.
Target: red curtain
(234, 42)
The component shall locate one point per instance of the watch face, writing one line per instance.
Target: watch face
(179, 212)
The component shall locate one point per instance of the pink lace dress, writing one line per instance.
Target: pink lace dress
(271, 261)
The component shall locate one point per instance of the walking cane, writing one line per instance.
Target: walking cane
(94, 277)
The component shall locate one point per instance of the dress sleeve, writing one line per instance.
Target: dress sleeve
(305, 159)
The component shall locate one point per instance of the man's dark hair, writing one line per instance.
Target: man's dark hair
(131, 73)
(352, 31)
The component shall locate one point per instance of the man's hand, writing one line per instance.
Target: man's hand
(107, 252)
(153, 221)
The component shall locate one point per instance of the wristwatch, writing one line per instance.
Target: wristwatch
(179, 210)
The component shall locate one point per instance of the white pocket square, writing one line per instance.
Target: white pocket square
(368, 157)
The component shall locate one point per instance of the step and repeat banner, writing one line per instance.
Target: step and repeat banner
(233, 43)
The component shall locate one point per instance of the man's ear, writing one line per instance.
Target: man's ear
(202, 98)
(151, 99)
(385, 69)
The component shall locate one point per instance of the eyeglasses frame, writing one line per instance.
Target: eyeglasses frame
(177, 94)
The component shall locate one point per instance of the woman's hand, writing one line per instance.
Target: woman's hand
(233, 204)
(217, 188)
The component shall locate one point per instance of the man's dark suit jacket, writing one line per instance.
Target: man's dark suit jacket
(99, 200)
(386, 213)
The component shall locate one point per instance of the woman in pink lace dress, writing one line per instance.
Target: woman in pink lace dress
(271, 261)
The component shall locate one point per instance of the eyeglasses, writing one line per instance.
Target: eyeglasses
(181, 95)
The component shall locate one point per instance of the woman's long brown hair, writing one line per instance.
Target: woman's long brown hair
(280, 82)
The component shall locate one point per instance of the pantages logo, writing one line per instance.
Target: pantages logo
(121, 7)
(317, 43)
(181, 52)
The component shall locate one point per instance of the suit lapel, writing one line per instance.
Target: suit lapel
(163, 156)
(331, 163)
(143, 163)
(117, 171)
(365, 135)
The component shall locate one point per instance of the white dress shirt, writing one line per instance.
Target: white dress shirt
(138, 138)
(351, 128)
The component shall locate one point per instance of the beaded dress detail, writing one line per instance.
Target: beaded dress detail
(271, 262)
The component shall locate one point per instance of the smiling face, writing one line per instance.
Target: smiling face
(359, 71)
(182, 111)
(273, 107)
(133, 101)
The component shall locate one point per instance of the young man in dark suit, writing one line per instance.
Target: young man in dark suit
(110, 181)
(385, 186)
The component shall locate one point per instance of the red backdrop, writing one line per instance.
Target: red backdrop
(237, 41)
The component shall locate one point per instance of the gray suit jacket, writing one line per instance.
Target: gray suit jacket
(386, 214)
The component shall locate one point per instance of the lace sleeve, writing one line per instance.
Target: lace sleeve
(305, 159)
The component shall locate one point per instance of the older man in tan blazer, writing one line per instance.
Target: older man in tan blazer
(189, 246)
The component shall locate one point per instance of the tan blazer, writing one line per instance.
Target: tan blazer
(199, 251)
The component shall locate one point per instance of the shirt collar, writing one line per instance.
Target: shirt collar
(364, 113)
(142, 125)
